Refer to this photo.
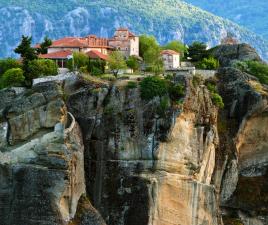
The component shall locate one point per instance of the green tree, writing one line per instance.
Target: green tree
(44, 46)
(197, 51)
(146, 43)
(12, 77)
(80, 59)
(96, 66)
(152, 87)
(27, 54)
(116, 62)
(209, 63)
(259, 70)
(133, 63)
(9, 63)
(176, 46)
(42, 67)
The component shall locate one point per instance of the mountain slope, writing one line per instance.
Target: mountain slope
(172, 19)
(246, 13)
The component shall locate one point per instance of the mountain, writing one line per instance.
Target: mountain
(244, 12)
(167, 20)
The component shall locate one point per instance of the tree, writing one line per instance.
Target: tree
(176, 46)
(209, 63)
(116, 62)
(147, 43)
(42, 67)
(133, 63)
(96, 66)
(27, 54)
(44, 46)
(12, 77)
(9, 63)
(79, 60)
(197, 51)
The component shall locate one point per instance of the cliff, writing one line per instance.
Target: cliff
(82, 152)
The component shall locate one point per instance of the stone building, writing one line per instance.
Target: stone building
(171, 59)
(125, 42)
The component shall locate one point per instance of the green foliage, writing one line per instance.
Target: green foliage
(259, 70)
(176, 46)
(163, 106)
(176, 91)
(116, 62)
(42, 67)
(133, 63)
(152, 87)
(255, 68)
(96, 67)
(209, 63)
(217, 100)
(80, 60)
(12, 77)
(197, 80)
(211, 87)
(44, 46)
(108, 77)
(147, 43)
(131, 85)
(9, 63)
(197, 51)
(27, 54)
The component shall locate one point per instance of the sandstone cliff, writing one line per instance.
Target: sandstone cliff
(80, 152)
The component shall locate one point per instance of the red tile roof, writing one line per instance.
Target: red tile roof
(94, 54)
(69, 42)
(57, 55)
(169, 52)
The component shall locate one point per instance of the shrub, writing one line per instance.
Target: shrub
(212, 88)
(133, 63)
(259, 70)
(79, 60)
(217, 100)
(208, 64)
(163, 106)
(197, 80)
(176, 91)
(13, 77)
(96, 66)
(152, 87)
(9, 63)
(131, 85)
(42, 67)
(108, 77)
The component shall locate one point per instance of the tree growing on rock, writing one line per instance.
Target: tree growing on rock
(197, 51)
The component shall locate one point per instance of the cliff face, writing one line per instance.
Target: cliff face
(81, 152)
(146, 168)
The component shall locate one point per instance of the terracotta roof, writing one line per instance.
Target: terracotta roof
(69, 42)
(57, 55)
(94, 54)
(169, 52)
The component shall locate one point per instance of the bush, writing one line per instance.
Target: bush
(211, 87)
(12, 77)
(259, 70)
(9, 63)
(208, 64)
(176, 91)
(108, 77)
(152, 87)
(217, 100)
(197, 80)
(163, 106)
(96, 67)
(79, 60)
(133, 63)
(42, 67)
(131, 85)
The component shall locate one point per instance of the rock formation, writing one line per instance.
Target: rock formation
(79, 152)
